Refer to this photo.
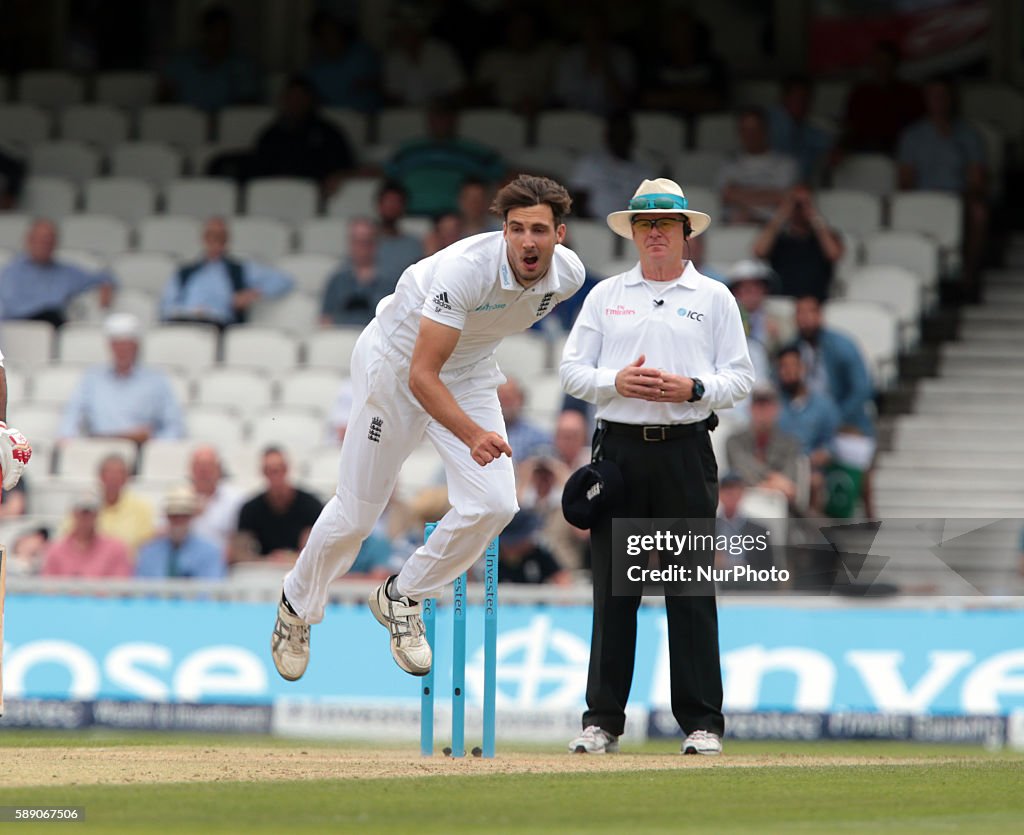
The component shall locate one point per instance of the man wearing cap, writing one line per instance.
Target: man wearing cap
(656, 348)
(180, 552)
(123, 399)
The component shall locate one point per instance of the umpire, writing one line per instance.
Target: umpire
(656, 349)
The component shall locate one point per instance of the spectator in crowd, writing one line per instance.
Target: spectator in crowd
(800, 246)
(417, 67)
(217, 288)
(762, 454)
(432, 168)
(180, 551)
(353, 292)
(84, 551)
(475, 208)
(879, 108)
(793, 131)
(218, 499)
(301, 143)
(395, 249)
(600, 178)
(123, 399)
(833, 366)
(751, 283)
(733, 523)
(517, 74)
(446, 230)
(944, 152)
(683, 73)
(522, 559)
(274, 524)
(124, 514)
(12, 176)
(595, 74)
(345, 70)
(571, 444)
(34, 285)
(541, 480)
(524, 437)
(28, 553)
(754, 182)
(212, 75)
(15, 501)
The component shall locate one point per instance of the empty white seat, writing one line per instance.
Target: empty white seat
(354, 125)
(261, 238)
(395, 125)
(247, 391)
(423, 468)
(240, 126)
(662, 133)
(155, 162)
(293, 429)
(74, 161)
(729, 244)
(296, 313)
(176, 236)
(873, 173)
(131, 90)
(55, 383)
(898, 289)
(51, 89)
(23, 126)
(105, 235)
(12, 230)
(140, 303)
(99, 125)
(323, 235)
(859, 212)
(593, 241)
(259, 348)
(705, 199)
(84, 258)
(309, 270)
(218, 425)
(356, 198)
(524, 355)
(27, 343)
(716, 132)
(50, 197)
(201, 197)
(572, 130)
(494, 127)
(548, 162)
(934, 213)
(126, 198)
(315, 388)
(181, 345)
(321, 467)
(332, 348)
(283, 198)
(165, 459)
(41, 420)
(83, 342)
(697, 168)
(81, 457)
(910, 250)
(178, 125)
(874, 328)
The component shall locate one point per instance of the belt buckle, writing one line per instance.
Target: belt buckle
(654, 433)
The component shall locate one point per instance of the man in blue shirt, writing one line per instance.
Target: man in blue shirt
(180, 552)
(793, 131)
(217, 288)
(524, 437)
(36, 286)
(123, 399)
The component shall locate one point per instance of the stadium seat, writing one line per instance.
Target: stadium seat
(910, 250)
(283, 198)
(353, 124)
(130, 90)
(417, 227)
(592, 240)
(105, 235)
(55, 383)
(296, 313)
(74, 161)
(246, 391)
(715, 132)
(315, 388)
(852, 257)
(139, 303)
(663, 133)
(98, 125)
(494, 127)
(82, 342)
(12, 230)
(179, 237)
(697, 168)
(705, 199)
(859, 212)
(52, 496)
(754, 92)
(783, 310)
(999, 104)
(81, 457)
(217, 425)
(728, 244)
(549, 162)
(830, 99)
(50, 89)
(259, 348)
(181, 346)
(572, 130)
(240, 126)
(156, 162)
(84, 258)
(23, 126)
(331, 348)
(201, 197)
(5, 256)
(309, 270)
(395, 125)
(287, 427)
(873, 173)
(260, 238)
(874, 328)
(41, 420)
(544, 396)
(27, 342)
(320, 235)
(898, 289)
(146, 271)
(178, 125)
(126, 198)
(523, 355)
(165, 459)
(934, 213)
(356, 198)
(320, 466)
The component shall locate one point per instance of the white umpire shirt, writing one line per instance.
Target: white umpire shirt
(689, 326)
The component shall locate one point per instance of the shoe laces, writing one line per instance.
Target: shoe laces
(596, 733)
(402, 622)
(294, 634)
(702, 735)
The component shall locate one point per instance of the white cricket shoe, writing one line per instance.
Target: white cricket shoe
(409, 645)
(289, 645)
(701, 742)
(593, 740)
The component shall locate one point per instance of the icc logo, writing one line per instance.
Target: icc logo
(690, 314)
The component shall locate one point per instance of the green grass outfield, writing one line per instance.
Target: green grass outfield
(769, 787)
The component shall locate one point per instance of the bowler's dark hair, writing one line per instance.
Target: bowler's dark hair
(527, 190)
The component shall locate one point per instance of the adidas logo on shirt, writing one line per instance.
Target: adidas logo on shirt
(441, 302)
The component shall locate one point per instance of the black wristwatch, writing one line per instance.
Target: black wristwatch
(698, 390)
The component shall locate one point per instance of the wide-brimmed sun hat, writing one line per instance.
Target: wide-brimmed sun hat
(657, 197)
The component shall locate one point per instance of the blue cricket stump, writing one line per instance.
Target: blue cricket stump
(458, 746)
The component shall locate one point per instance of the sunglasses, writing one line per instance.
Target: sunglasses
(662, 224)
(658, 201)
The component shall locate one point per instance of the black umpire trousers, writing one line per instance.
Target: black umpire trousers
(672, 478)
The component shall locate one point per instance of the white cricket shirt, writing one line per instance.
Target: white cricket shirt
(470, 286)
(696, 331)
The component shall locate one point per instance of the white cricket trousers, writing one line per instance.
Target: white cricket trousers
(386, 424)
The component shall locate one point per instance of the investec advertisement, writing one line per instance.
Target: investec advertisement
(820, 659)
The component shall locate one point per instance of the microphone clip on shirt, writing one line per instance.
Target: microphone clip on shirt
(658, 302)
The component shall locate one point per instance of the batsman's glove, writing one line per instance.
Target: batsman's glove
(15, 452)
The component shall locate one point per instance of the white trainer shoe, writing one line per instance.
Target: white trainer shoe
(593, 740)
(409, 645)
(289, 645)
(701, 742)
